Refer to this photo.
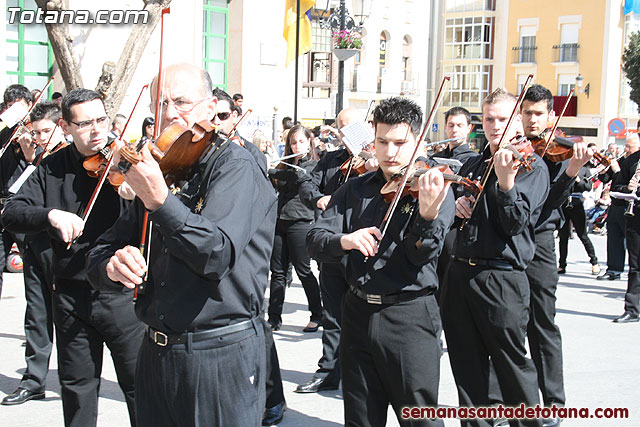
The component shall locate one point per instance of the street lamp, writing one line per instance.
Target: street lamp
(580, 83)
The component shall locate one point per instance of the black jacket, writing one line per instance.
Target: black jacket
(461, 152)
(287, 183)
(325, 178)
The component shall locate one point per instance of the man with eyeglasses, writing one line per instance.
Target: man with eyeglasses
(51, 200)
(202, 361)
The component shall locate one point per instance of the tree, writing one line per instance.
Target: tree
(631, 66)
(115, 79)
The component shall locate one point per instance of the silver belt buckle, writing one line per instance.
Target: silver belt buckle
(165, 339)
(374, 299)
(471, 263)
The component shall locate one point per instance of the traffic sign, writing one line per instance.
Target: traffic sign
(617, 127)
(434, 127)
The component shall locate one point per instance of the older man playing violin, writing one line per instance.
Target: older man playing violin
(202, 362)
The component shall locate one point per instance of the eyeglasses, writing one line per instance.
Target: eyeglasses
(181, 105)
(224, 116)
(99, 122)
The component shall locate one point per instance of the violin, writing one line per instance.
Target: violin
(96, 164)
(523, 151)
(390, 189)
(560, 147)
(176, 150)
(355, 165)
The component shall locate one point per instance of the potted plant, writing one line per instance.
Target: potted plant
(346, 44)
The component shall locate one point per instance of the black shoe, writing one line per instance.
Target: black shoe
(626, 318)
(275, 324)
(274, 415)
(562, 270)
(551, 422)
(316, 384)
(312, 326)
(21, 395)
(609, 275)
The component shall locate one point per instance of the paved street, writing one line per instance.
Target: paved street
(601, 359)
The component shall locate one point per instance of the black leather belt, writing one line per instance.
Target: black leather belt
(162, 339)
(500, 264)
(389, 299)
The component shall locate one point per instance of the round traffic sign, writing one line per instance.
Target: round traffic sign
(617, 127)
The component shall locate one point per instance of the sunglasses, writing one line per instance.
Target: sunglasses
(224, 116)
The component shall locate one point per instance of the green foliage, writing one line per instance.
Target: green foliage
(631, 66)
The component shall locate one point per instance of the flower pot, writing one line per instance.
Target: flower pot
(344, 54)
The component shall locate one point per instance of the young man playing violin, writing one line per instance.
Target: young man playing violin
(545, 342)
(202, 361)
(51, 200)
(485, 308)
(390, 337)
(36, 258)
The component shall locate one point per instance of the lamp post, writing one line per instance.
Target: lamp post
(340, 21)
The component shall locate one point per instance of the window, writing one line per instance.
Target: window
(468, 5)
(29, 58)
(569, 42)
(319, 74)
(468, 38)
(406, 58)
(522, 78)
(566, 82)
(527, 44)
(469, 85)
(216, 40)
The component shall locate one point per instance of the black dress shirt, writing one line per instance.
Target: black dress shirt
(502, 225)
(407, 256)
(60, 182)
(325, 178)
(209, 253)
(290, 207)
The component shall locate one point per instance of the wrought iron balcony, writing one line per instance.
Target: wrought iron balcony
(523, 54)
(567, 52)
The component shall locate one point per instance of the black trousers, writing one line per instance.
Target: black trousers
(632, 296)
(85, 320)
(213, 383)
(289, 247)
(389, 354)
(575, 214)
(274, 390)
(485, 314)
(334, 286)
(616, 247)
(38, 317)
(545, 341)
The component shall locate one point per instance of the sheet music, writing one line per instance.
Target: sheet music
(16, 185)
(14, 114)
(357, 136)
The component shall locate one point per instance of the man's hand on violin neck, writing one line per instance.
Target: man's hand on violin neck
(68, 224)
(146, 179)
(28, 146)
(432, 189)
(127, 266)
(364, 240)
(581, 155)
(506, 169)
(464, 206)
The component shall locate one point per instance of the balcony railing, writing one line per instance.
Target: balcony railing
(522, 54)
(567, 52)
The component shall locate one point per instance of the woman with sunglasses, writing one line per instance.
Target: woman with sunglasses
(294, 221)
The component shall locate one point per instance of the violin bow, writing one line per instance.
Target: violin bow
(103, 175)
(555, 125)
(392, 207)
(145, 245)
(21, 122)
(45, 151)
(501, 144)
